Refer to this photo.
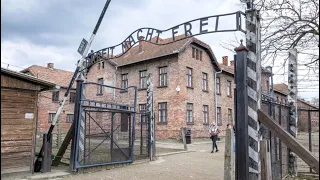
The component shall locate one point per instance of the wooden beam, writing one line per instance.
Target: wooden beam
(63, 148)
(289, 141)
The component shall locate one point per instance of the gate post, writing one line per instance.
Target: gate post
(248, 78)
(151, 144)
(75, 125)
(292, 99)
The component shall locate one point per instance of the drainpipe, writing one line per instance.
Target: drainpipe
(215, 94)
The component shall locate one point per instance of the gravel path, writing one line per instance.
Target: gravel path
(200, 164)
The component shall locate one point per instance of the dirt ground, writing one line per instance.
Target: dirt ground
(200, 164)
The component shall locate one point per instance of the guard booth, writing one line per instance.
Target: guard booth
(19, 96)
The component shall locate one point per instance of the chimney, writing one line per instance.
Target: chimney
(141, 38)
(225, 60)
(232, 63)
(50, 65)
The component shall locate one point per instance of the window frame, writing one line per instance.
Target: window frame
(124, 82)
(143, 85)
(100, 88)
(219, 116)
(204, 81)
(230, 120)
(229, 91)
(193, 52)
(218, 85)
(51, 117)
(205, 114)
(189, 115)
(143, 117)
(55, 96)
(163, 112)
(67, 118)
(72, 100)
(163, 76)
(189, 77)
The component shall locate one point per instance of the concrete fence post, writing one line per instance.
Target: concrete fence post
(229, 156)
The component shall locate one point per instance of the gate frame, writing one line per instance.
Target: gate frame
(74, 164)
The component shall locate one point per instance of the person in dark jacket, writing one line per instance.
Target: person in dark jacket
(214, 132)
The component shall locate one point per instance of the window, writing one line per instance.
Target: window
(100, 88)
(230, 116)
(277, 99)
(143, 79)
(72, 97)
(124, 81)
(268, 86)
(70, 118)
(163, 76)
(197, 54)
(193, 52)
(218, 85)
(228, 88)
(205, 114)
(101, 65)
(219, 122)
(162, 112)
(55, 96)
(143, 109)
(189, 113)
(51, 117)
(200, 55)
(189, 77)
(205, 81)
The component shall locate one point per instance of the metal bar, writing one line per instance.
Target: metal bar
(280, 144)
(101, 16)
(102, 164)
(310, 136)
(242, 166)
(75, 126)
(111, 142)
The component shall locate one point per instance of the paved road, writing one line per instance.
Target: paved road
(199, 165)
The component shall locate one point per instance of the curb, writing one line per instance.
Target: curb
(172, 153)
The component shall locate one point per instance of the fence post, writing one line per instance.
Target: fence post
(292, 99)
(75, 125)
(47, 151)
(309, 130)
(265, 160)
(228, 156)
(183, 135)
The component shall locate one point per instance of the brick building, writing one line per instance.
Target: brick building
(183, 78)
(225, 94)
(48, 101)
(281, 93)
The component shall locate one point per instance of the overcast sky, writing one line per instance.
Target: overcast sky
(42, 31)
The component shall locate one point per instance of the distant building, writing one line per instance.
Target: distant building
(49, 101)
(188, 65)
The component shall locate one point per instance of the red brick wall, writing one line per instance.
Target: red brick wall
(224, 101)
(46, 106)
(176, 101)
(303, 117)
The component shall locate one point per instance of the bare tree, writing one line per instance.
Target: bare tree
(287, 24)
(315, 101)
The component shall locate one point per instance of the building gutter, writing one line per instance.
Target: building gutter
(215, 94)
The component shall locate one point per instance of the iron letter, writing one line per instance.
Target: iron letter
(159, 32)
(174, 32)
(149, 33)
(138, 34)
(186, 31)
(202, 23)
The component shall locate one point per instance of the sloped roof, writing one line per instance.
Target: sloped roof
(228, 69)
(151, 51)
(308, 103)
(59, 77)
(281, 88)
(43, 83)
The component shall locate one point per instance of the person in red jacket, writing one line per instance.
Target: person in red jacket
(214, 132)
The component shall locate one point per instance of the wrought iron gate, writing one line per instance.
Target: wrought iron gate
(105, 122)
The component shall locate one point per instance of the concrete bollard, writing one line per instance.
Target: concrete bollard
(229, 156)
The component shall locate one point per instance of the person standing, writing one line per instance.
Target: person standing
(214, 132)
